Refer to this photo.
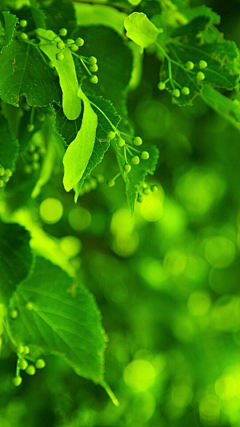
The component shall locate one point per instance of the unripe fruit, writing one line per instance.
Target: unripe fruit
(74, 48)
(202, 64)
(31, 370)
(135, 160)
(79, 41)
(63, 32)
(36, 166)
(2, 171)
(23, 364)
(121, 142)
(100, 178)
(23, 36)
(17, 381)
(161, 86)
(111, 183)
(137, 141)
(26, 350)
(154, 188)
(29, 306)
(23, 23)
(92, 60)
(111, 135)
(1, 183)
(94, 80)
(140, 199)
(30, 127)
(147, 191)
(40, 364)
(51, 64)
(60, 56)
(189, 65)
(20, 349)
(200, 76)
(61, 45)
(145, 155)
(185, 90)
(176, 93)
(14, 314)
(93, 68)
(8, 172)
(127, 168)
(70, 42)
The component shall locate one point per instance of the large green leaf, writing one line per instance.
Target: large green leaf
(79, 151)
(115, 68)
(15, 258)
(61, 319)
(23, 72)
(8, 145)
(140, 29)
(9, 23)
(66, 71)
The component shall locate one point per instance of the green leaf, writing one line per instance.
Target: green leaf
(8, 145)
(66, 71)
(105, 112)
(140, 29)
(59, 14)
(15, 258)
(195, 42)
(34, 16)
(23, 72)
(115, 68)
(79, 151)
(224, 106)
(63, 320)
(137, 176)
(10, 22)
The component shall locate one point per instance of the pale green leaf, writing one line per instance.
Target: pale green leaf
(66, 71)
(79, 151)
(63, 319)
(140, 29)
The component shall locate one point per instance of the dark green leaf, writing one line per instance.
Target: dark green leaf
(63, 319)
(8, 145)
(15, 258)
(9, 22)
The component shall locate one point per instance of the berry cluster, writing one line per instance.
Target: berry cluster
(33, 156)
(90, 64)
(5, 175)
(91, 183)
(146, 190)
(24, 363)
(176, 89)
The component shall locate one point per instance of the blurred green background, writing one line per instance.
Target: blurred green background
(166, 280)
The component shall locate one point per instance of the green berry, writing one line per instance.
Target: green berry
(31, 370)
(26, 350)
(23, 364)
(40, 364)
(154, 188)
(74, 48)
(135, 160)
(36, 166)
(127, 168)
(1, 183)
(147, 191)
(111, 135)
(6, 178)
(14, 314)
(121, 142)
(137, 141)
(41, 117)
(94, 80)
(70, 42)
(202, 64)
(140, 199)
(145, 155)
(29, 306)
(200, 76)
(100, 178)
(8, 173)
(93, 68)
(93, 183)
(20, 349)
(111, 183)
(60, 56)
(28, 169)
(161, 86)
(61, 45)
(63, 32)
(23, 23)
(17, 381)
(79, 41)
(92, 60)
(185, 90)
(23, 36)
(176, 93)
(51, 64)
(189, 65)
(30, 127)
(2, 171)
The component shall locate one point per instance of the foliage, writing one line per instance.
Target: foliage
(89, 102)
